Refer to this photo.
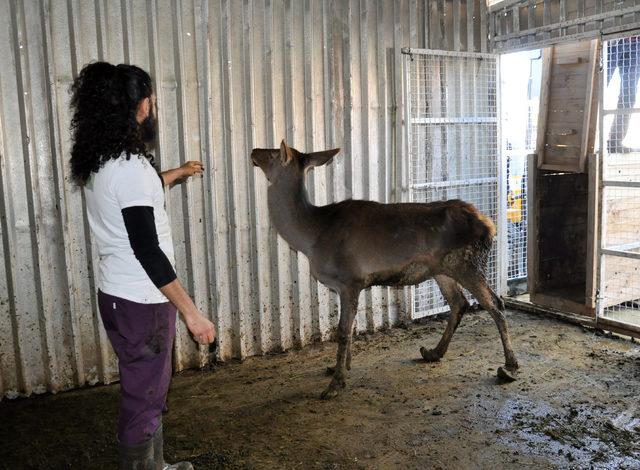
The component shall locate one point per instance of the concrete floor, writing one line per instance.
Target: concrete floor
(575, 406)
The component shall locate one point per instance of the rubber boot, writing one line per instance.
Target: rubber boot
(158, 455)
(140, 457)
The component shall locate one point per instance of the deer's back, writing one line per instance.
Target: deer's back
(365, 238)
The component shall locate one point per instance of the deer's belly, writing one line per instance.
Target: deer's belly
(412, 273)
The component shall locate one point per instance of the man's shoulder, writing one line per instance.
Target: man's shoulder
(134, 165)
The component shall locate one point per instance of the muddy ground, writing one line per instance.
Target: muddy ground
(576, 405)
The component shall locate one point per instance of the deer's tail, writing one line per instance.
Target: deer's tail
(470, 224)
(486, 229)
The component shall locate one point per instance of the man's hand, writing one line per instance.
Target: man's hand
(182, 173)
(203, 331)
(191, 168)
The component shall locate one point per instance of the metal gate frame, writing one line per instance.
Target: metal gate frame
(605, 183)
(499, 274)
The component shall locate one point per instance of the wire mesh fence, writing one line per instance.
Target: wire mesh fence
(453, 143)
(620, 223)
(517, 216)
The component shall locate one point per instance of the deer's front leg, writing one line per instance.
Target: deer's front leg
(348, 309)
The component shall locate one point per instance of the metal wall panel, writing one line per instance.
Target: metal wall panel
(530, 24)
(230, 75)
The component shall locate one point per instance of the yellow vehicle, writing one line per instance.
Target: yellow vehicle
(515, 200)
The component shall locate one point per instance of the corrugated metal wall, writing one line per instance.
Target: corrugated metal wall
(230, 76)
(529, 24)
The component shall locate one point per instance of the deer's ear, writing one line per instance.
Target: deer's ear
(319, 158)
(286, 155)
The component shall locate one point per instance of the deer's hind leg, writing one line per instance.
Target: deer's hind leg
(458, 305)
(475, 282)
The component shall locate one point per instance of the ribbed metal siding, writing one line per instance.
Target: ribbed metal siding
(230, 76)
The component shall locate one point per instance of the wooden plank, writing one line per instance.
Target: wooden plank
(569, 49)
(547, 57)
(569, 61)
(560, 93)
(592, 232)
(456, 25)
(618, 327)
(560, 138)
(561, 132)
(579, 22)
(563, 159)
(591, 104)
(585, 321)
(564, 305)
(546, 13)
(569, 103)
(470, 25)
(532, 222)
(557, 167)
(531, 15)
(527, 306)
(573, 49)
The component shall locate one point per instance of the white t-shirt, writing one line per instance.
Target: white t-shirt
(122, 183)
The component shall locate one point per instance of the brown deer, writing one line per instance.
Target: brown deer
(352, 245)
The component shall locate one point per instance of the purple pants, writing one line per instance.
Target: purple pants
(142, 336)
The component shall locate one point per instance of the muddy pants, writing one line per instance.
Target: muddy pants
(142, 336)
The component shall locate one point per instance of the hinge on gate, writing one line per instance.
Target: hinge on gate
(407, 50)
(599, 299)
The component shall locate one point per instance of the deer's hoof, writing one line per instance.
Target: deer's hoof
(507, 374)
(333, 390)
(330, 370)
(430, 355)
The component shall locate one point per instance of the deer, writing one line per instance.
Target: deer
(355, 244)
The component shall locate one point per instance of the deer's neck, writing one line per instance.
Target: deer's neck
(293, 216)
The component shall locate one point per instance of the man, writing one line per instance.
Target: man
(623, 55)
(113, 125)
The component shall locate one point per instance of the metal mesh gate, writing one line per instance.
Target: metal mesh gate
(619, 298)
(517, 216)
(453, 140)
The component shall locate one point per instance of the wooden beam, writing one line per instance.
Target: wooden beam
(593, 222)
(590, 115)
(564, 305)
(547, 58)
(532, 222)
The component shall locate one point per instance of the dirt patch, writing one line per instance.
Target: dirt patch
(574, 406)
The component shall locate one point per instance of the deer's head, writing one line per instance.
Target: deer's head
(287, 162)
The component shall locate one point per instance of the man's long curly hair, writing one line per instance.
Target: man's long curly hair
(105, 100)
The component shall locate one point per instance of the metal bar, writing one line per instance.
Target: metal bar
(454, 120)
(620, 111)
(622, 254)
(625, 246)
(502, 255)
(452, 184)
(466, 55)
(621, 184)
(602, 202)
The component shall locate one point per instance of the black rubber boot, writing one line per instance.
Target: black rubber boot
(158, 455)
(138, 457)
